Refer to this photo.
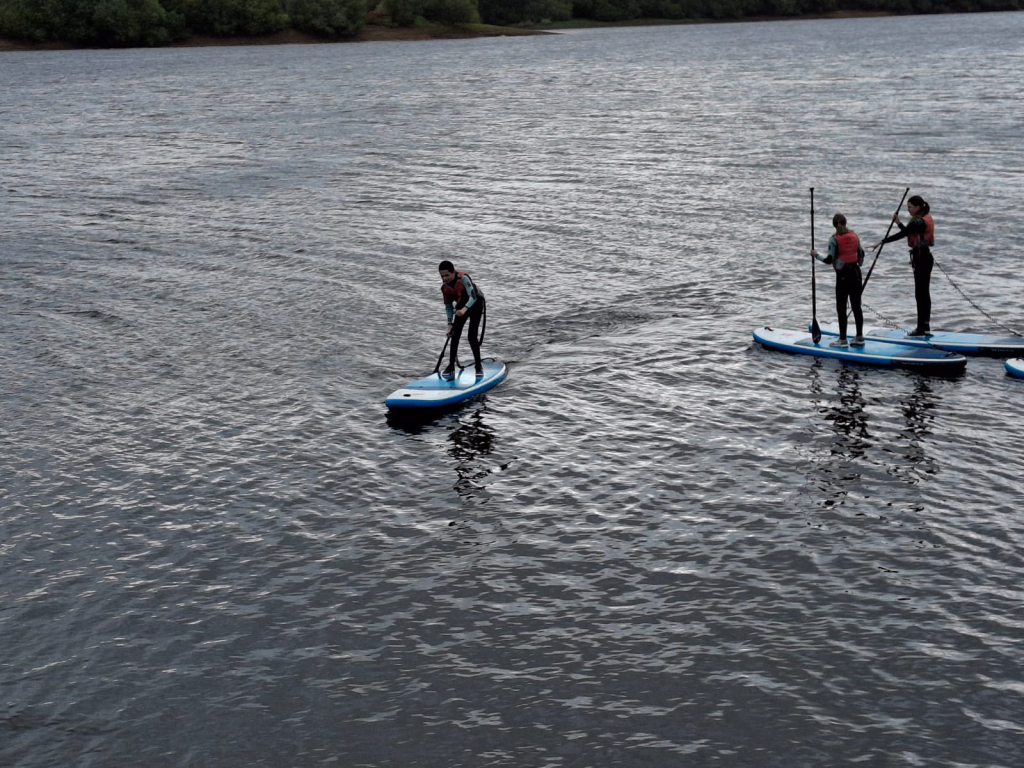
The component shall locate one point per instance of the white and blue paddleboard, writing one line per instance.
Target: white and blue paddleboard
(877, 353)
(435, 391)
(1015, 367)
(964, 343)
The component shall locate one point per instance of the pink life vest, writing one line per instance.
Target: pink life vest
(457, 294)
(847, 246)
(928, 238)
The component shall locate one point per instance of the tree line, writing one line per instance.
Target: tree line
(159, 22)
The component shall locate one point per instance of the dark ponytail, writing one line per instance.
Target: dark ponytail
(919, 201)
(839, 222)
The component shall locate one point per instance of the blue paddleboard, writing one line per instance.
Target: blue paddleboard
(964, 343)
(877, 353)
(435, 391)
(1015, 367)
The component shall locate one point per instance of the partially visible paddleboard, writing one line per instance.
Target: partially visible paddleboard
(435, 391)
(964, 343)
(1015, 367)
(876, 353)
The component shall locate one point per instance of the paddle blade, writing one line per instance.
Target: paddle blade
(815, 331)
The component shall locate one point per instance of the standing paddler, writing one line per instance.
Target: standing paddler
(462, 299)
(920, 234)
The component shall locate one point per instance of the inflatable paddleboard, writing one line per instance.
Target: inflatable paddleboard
(964, 343)
(877, 353)
(1015, 367)
(435, 391)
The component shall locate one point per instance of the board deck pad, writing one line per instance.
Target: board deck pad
(876, 353)
(964, 343)
(435, 391)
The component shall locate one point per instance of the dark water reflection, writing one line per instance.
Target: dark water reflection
(657, 544)
(471, 442)
(845, 412)
(919, 410)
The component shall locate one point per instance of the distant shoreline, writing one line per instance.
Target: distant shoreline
(369, 34)
(377, 33)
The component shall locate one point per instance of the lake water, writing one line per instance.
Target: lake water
(656, 544)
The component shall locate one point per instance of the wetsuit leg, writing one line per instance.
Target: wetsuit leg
(923, 263)
(856, 286)
(842, 294)
(475, 314)
(457, 325)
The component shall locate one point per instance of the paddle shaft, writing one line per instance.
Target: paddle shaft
(815, 329)
(880, 247)
(441, 356)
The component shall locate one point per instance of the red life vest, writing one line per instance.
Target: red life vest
(928, 238)
(847, 246)
(457, 294)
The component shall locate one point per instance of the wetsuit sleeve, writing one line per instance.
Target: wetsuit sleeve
(831, 255)
(913, 227)
(833, 248)
(860, 254)
(470, 291)
(449, 310)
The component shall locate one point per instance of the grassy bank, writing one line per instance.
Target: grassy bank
(588, 24)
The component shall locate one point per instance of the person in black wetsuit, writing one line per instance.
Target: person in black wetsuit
(846, 256)
(920, 234)
(463, 300)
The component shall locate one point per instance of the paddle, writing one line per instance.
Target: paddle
(815, 329)
(441, 356)
(879, 251)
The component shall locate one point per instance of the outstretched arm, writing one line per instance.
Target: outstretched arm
(913, 227)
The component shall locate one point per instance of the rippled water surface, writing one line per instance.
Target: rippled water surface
(656, 544)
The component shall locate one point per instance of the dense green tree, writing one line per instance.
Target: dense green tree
(451, 11)
(606, 10)
(780, 8)
(693, 9)
(329, 17)
(403, 12)
(129, 22)
(508, 12)
(16, 22)
(661, 9)
(548, 10)
(91, 22)
(818, 6)
(53, 19)
(236, 17)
